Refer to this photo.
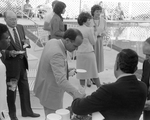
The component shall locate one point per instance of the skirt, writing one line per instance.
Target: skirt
(99, 53)
(86, 61)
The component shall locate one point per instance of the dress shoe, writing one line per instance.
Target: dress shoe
(32, 115)
(14, 118)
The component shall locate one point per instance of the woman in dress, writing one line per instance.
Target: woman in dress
(57, 25)
(100, 25)
(85, 54)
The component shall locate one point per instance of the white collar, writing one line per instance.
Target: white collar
(10, 28)
(63, 45)
(123, 75)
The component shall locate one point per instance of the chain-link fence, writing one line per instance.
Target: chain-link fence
(132, 9)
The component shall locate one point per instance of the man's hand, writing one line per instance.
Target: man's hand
(72, 71)
(26, 41)
(147, 103)
(12, 53)
(79, 95)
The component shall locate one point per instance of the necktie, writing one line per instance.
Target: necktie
(67, 68)
(17, 40)
(67, 72)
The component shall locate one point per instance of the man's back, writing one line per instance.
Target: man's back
(127, 99)
(122, 100)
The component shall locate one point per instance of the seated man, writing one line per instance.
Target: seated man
(121, 100)
(119, 12)
(27, 9)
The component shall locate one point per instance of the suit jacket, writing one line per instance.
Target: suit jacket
(121, 100)
(57, 27)
(12, 64)
(146, 75)
(51, 80)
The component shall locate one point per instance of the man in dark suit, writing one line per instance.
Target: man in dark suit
(121, 100)
(16, 65)
(146, 77)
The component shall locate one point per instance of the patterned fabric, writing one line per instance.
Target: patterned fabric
(17, 40)
(82, 117)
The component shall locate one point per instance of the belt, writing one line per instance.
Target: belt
(99, 36)
(21, 56)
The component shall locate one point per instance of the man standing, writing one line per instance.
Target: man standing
(15, 60)
(121, 100)
(52, 77)
(4, 44)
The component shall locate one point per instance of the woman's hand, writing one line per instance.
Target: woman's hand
(103, 34)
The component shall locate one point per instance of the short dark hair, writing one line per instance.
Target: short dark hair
(72, 34)
(94, 8)
(54, 2)
(3, 29)
(148, 40)
(127, 61)
(83, 17)
(59, 7)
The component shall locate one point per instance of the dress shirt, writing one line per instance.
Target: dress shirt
(123, 75)
(12, 33)
(63, 46)
(66, 59)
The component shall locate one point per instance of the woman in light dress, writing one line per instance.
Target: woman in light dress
(100, 26)
(85, 54)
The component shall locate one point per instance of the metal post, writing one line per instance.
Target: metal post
(80, 6)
